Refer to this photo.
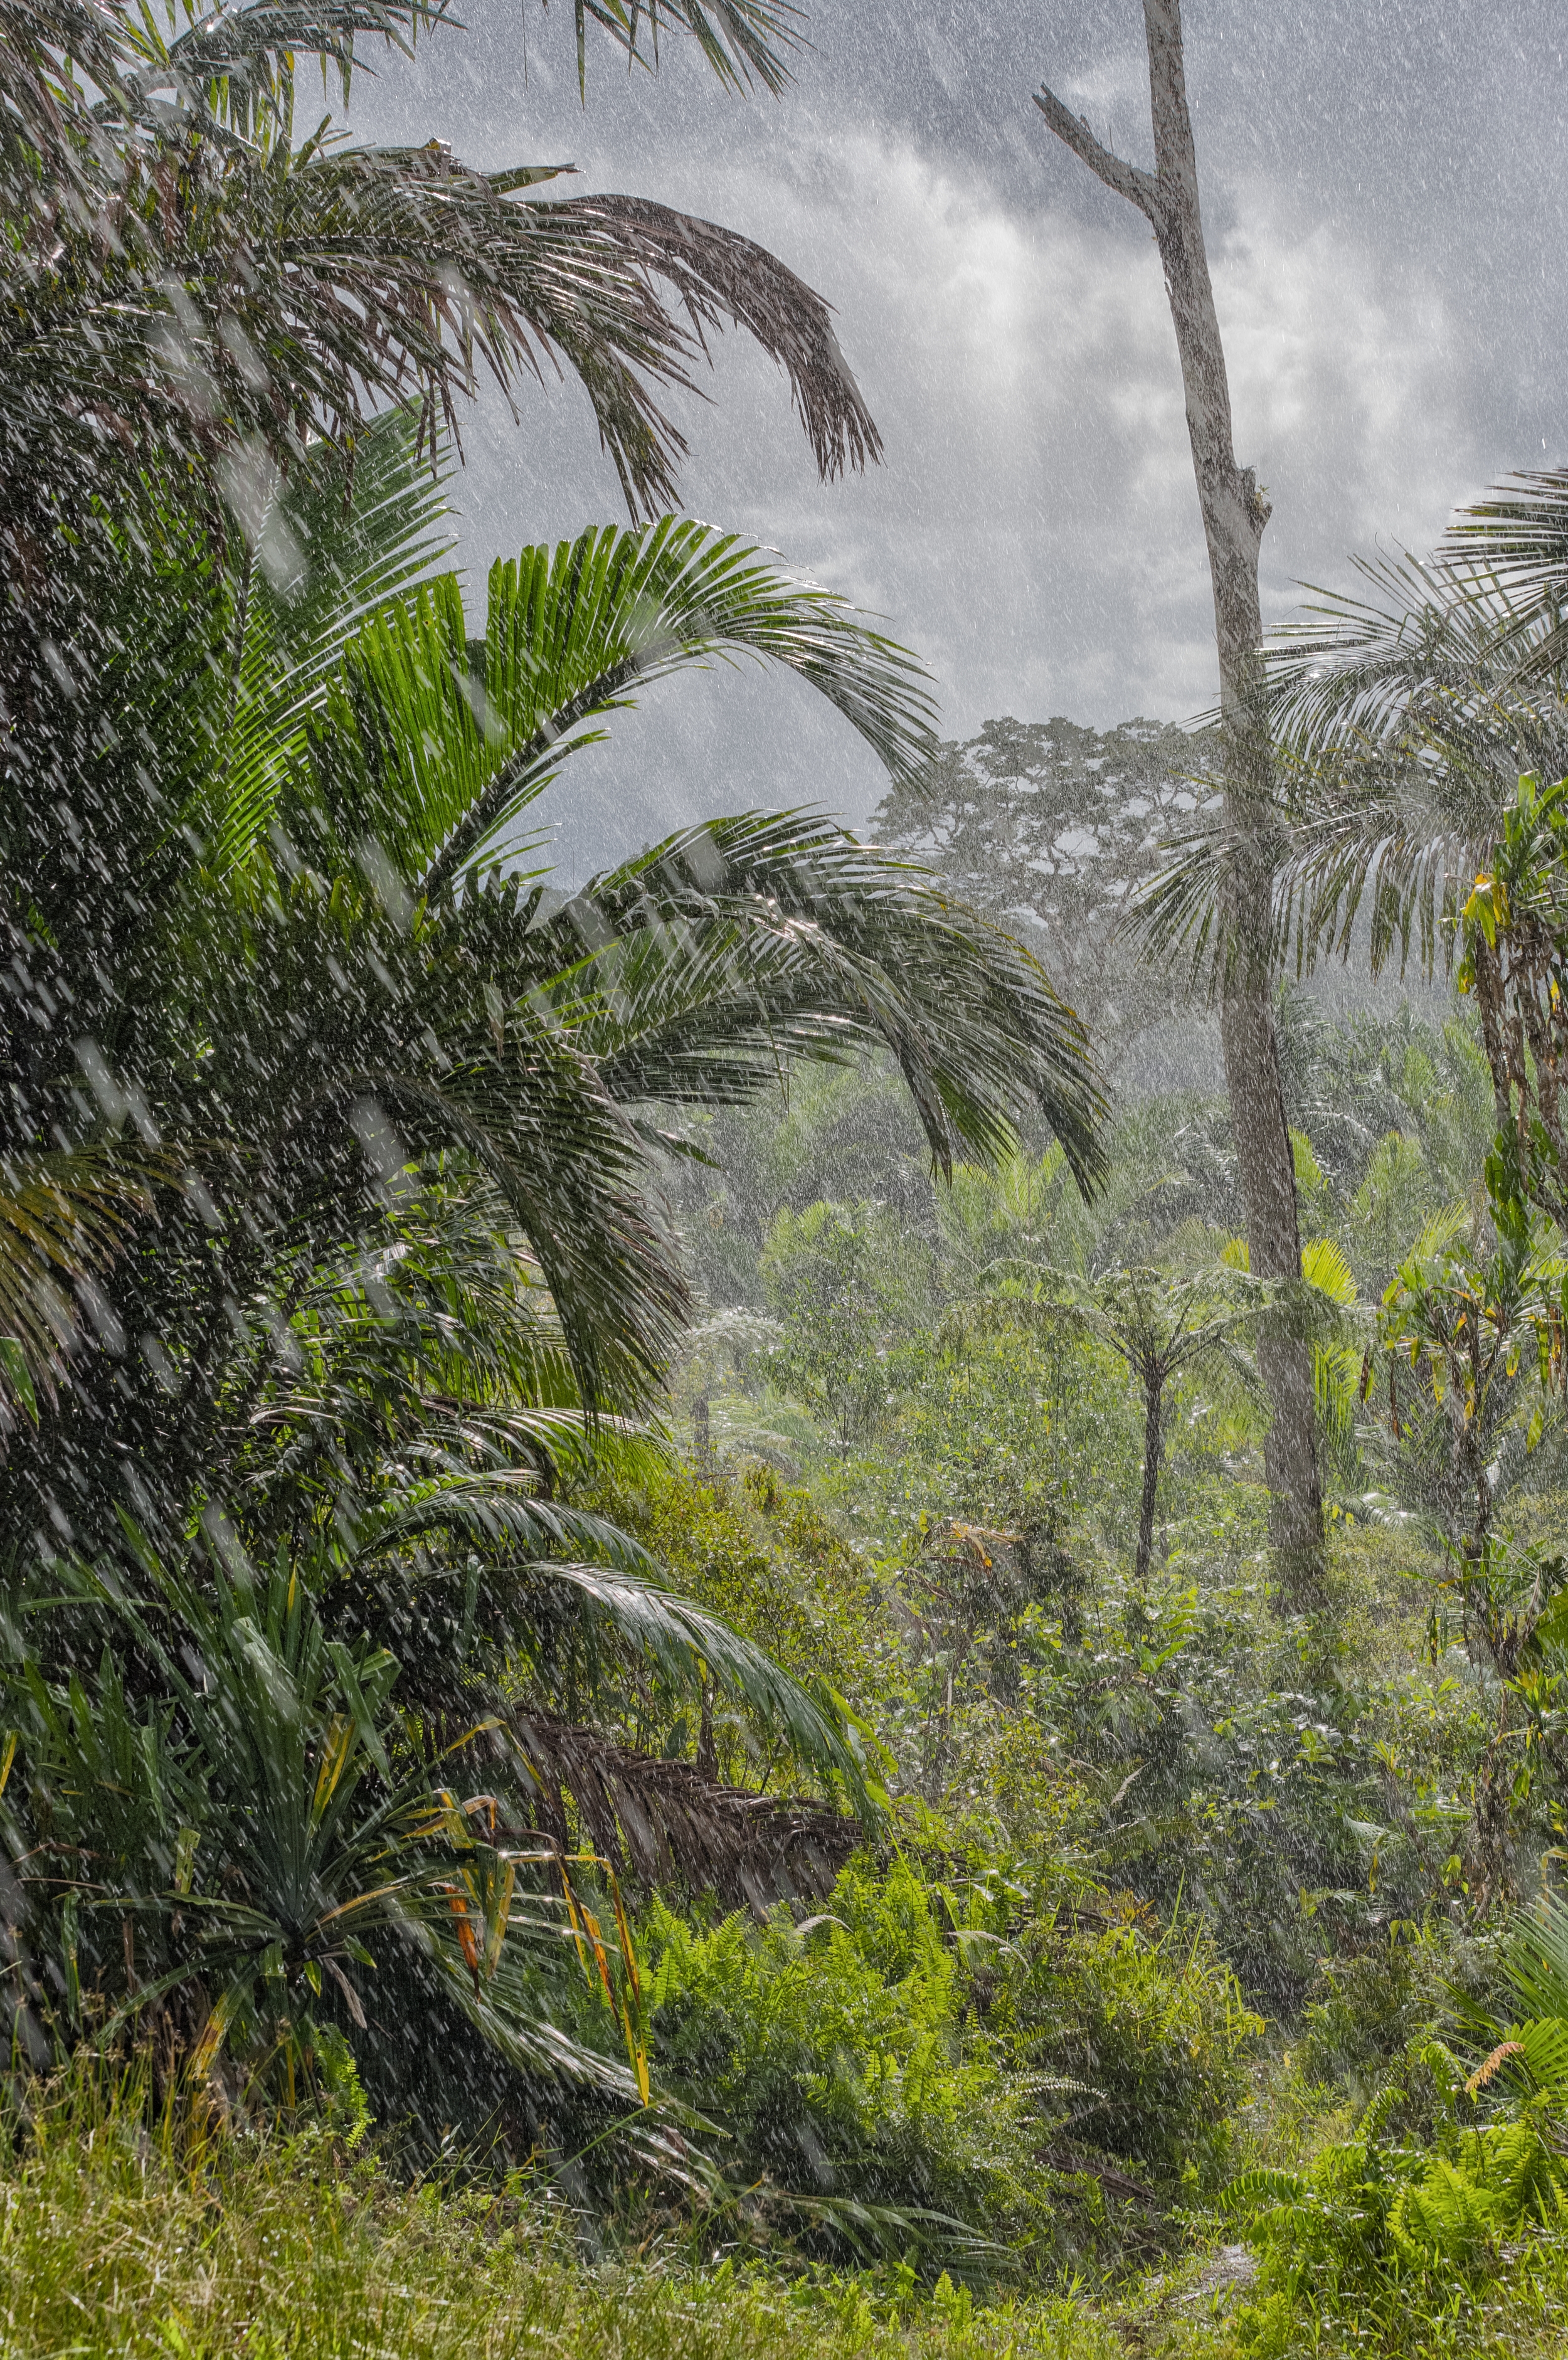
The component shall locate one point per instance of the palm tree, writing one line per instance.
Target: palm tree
(327, 1124)
(363, 1115)
(182, 273)
(1413, 722)
(1406, 717)
(192, 293)
(287, 958)
(1403, 717)
(378, 1109)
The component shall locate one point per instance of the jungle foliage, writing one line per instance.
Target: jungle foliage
(636, 1610)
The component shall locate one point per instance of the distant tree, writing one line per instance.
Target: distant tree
(1050, 827)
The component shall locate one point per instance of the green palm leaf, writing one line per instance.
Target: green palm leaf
(705, 962)
(434, 744)
(1403, 717)
(64, 1218)
(324, 550)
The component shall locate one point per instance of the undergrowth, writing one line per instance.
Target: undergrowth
(127, 2232)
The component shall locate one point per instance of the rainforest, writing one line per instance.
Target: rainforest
(793, 1580)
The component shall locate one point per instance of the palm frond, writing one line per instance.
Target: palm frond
(324, 549)
(670, 1822)
(54, 56)
(63, 1218)
(742, 41)
(236, 65)
(697, 968)
(434, 744)
(1403, 716)
(1535, 1962)
(233, 296)
(689, 1644)
(1519, 535)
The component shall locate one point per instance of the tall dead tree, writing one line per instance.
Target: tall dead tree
(1234, 516)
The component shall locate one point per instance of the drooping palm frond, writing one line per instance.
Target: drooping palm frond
(726, 948)
(1403, 717)
(741, 41)
(64, 1217)
(1519, 535)
(434, 1346)
(391, 1051)
(689, 1646)
(1403, 729)
(235, 65)
(436, 743)
(248, 298)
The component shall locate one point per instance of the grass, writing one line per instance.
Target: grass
(115, 2239)
(118, 2241)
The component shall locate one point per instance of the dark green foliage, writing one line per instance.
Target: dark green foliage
(1367, 2006)
(961, 2049)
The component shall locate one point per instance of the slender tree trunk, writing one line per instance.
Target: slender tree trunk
(1234, 514)
(1153, 1389)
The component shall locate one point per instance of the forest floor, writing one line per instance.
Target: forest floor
(109, 2246)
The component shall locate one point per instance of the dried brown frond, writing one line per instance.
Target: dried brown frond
(668, 1823)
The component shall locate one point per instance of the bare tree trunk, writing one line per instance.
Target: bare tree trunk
(1234, 515)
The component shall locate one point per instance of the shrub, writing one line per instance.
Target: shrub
(1153, 2027)
(1367, 2008)
(837, 2056)
(913, 2045)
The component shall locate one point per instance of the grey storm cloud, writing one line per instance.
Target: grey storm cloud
(1382, 186)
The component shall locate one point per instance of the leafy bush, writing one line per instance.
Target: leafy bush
(1369, 2005)
(1154, 2031)
(837, 2056)
(914, 2046)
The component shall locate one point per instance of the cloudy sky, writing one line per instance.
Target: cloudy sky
(1382, 185)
